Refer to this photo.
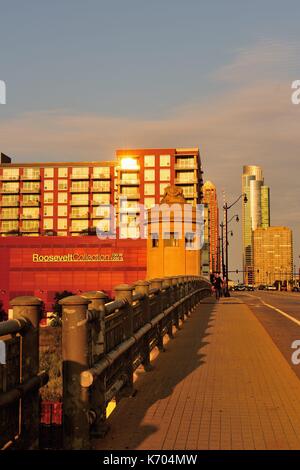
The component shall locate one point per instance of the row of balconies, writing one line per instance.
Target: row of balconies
(38, 177)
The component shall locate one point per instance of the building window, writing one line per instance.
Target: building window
(101, 198)
(30, 213)
(149, 189)
(48, 185)
(48, 211)
(149, 202)
(62, 172)
(101, 172)
(11, 173)
(154, 240)
(81, 172)
(62, 198)
(189, 240)
(31, 173)
(48, 198)
(30, 225)
(62, 185)
(30, 187)
(80, 212)
(80, 199)
(130, 178)
(165, 174)
(62, 211)
(48, 224)
(101, 186)
(10, 213)
(48, 172)
(62, 224)
(79, 225)
(10, 200)
(10, 187)
(162, 188)
(62, 234)
(165, 160)
(80, 186)
(171, 239)
(149, 175)
(9, 225)
(149, 160)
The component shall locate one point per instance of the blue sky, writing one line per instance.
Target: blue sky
(86, 77)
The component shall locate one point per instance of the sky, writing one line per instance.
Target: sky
(85, 78)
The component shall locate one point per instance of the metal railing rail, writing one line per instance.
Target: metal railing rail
(104, 343)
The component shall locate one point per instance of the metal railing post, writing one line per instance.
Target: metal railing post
(75, 355)
(142, 287)
(96, 317)
(29, 308)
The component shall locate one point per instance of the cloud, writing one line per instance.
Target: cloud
(266, 59)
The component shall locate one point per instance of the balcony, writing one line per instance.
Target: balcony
(33, 177)
(79, 203)
(30, 203)
(30, 216)
(185, 166)
(79, 216)
(79, 190)
(101, 176)
(132, 182)
(9, 217)
(9, 203)
(80, 177)
(192, 180)
(5, 190)
(131, 195)
(9, 178)
(33, 190)
(100, 189)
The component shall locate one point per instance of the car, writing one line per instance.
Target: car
(271, 288)
(240, 287)
(296, 289)
(250, 287)
(261, 287)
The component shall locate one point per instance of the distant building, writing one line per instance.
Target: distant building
(256, 213)
(210, 198)
(273, 255)
(205, 251)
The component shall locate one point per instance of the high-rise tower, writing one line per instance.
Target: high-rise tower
(210, 198)
(256, 213)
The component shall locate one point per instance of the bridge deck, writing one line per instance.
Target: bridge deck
(221, 384)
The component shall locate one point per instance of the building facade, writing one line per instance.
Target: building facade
(63, 199)
(55, 202)
(210, 198)
(273, 255)
(255, 213)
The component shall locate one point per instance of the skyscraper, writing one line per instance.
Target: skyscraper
(256, 213)
(210, 198)
(273, 255)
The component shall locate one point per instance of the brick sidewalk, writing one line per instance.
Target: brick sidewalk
(221, 384)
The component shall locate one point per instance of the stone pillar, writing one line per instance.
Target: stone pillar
(75, 351)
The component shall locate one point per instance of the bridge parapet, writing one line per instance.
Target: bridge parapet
(104, 343)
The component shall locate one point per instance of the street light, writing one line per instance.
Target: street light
(226, 208)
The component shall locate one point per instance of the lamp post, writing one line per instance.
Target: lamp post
(226, 208)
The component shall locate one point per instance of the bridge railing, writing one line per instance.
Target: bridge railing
(103, 343)
(20, 378)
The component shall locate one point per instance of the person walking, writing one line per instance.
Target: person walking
(218, 285)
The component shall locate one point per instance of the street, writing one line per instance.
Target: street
(280, 317)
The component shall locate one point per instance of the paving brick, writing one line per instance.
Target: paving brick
(222, 384)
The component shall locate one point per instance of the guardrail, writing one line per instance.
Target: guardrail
(104, 343)
(20, 378)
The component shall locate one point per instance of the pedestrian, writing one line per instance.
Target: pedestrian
(218, 284)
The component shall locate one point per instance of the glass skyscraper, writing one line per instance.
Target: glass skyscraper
(256, 213)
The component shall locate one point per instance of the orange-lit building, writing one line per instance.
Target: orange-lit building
(210, 198)
(44, 206)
